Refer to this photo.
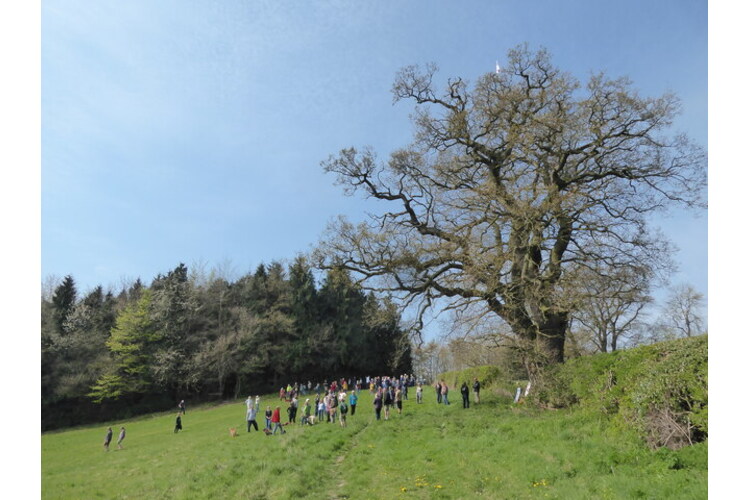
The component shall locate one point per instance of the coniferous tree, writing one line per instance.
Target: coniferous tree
(342, 304)
(63, 301)
(303, 294)
(390, 347)
(257, 293)
(304, 305)
(277, 324)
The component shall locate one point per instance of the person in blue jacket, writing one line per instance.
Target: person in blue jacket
(353, 402)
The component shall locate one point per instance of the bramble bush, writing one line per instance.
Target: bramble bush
(661, 390)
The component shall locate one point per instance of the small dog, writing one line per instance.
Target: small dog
(267, 431)
(233, 432)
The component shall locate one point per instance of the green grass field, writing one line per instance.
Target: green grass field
(492, 450)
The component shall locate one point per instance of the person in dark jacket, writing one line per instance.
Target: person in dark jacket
(293, 410)
(378, 404)
(342, 412)
(269, 414)
(388, 402)
(476, 390)
(465, 394)
(107, 439)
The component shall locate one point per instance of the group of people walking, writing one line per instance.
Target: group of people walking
(332, 403)
(121, 437)
(385, 399)
(332, 406)
(340, 397)
(465, 392)
(441, 391)
(108, 438)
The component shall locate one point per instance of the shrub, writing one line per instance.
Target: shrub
(668, 401)
(553, 389)
(661, 390)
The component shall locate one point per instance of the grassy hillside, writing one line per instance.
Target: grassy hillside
(492, 450)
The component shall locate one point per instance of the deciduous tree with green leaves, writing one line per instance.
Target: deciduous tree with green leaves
(131, 344)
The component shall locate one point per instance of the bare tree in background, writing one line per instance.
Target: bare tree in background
(611, 306)
(682, 314)
(430, 360)
(49, 283)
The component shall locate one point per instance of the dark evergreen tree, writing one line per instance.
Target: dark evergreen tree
(389, 347)
(342, 307)
(276, 328)
(304, 306)
(303, 294)
(134, 291)
(256, 293)
(63, 301)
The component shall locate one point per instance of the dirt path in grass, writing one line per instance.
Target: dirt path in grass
(338, 494)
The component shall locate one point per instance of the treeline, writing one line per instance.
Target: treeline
(107, 355)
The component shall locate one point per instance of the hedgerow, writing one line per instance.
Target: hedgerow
(661, 390)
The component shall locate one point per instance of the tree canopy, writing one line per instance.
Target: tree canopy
(512, 190)
(210, 338)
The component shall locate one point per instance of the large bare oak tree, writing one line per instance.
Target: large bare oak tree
(513, 189)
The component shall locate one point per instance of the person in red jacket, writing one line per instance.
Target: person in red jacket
(276, 420)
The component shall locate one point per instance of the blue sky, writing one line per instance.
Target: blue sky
(185, 131)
